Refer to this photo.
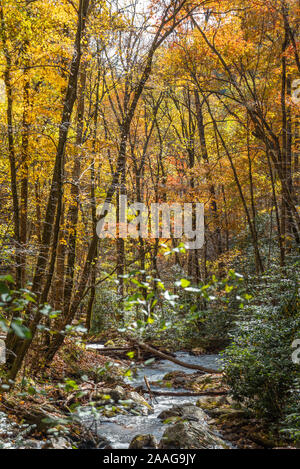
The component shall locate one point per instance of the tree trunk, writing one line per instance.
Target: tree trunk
(17, 346)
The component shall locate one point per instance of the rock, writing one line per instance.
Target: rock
(31, 444)
(116, 394)
(208, 403)
(58, 443)
(93, 443)
(181, 380)
(173, 374)
(143, 442)
(198, 351)
(213, 406)
(219, 407)
(190, 435)
(127, 401)
(140, 401)
(2, 352)
(185, 412)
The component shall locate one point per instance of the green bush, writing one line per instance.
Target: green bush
(258, 365)
(291, 423)
(106, 307)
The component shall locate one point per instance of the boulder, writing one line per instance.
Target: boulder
(191, 431)
(190, 435)
(143, 442)
(219, 407)
(185, 412)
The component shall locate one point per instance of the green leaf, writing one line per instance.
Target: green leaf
(6, 278)
(149, 362)
(20, 330)
(185, 283)
(3, 325)
(4, 290)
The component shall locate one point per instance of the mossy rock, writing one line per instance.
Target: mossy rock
(185, 412)
(208, 403)
(143, 442)
(174, 374)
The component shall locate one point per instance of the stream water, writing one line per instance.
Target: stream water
(120, 430)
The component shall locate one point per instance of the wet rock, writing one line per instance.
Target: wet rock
(185, 412)
(190, 435)
(191, 432)
(143, 442)
(173, 374)
(180, 380)
(140, 401)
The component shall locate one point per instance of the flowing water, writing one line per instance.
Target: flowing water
(120, 430)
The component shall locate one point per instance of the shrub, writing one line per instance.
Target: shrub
(258, 365)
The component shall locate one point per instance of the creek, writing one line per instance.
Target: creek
(121, 429)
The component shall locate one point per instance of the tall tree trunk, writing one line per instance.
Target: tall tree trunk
(72, 217)
(212, 189)
(11, 146)
(24, 177)
(18, 347)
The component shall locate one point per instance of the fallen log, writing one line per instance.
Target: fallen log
(107, 351)
(172, 359)
(187, 393)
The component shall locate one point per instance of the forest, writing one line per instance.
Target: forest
(150, 225)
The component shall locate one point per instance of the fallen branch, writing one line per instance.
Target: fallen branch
(187, 393)
(149, 389)
(107, 351)
(148, 348)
